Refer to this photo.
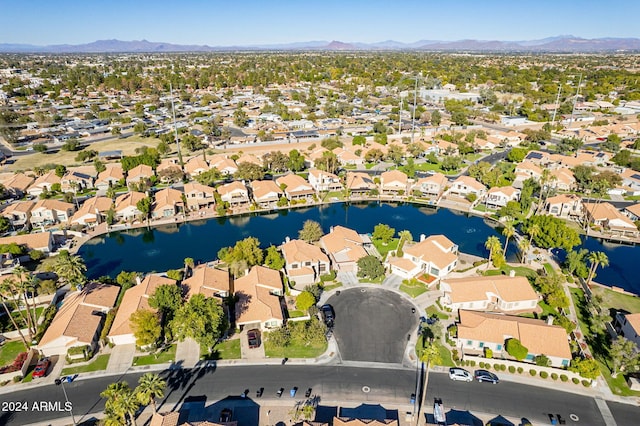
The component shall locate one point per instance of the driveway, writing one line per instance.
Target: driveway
(372, 324)
(347, 278)
(121, 358)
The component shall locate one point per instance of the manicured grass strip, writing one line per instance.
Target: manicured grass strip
(228, 349)
(432, 310)
(168, 355)
(295, 350)
(413, 288)
(9, 351)
(99, 364)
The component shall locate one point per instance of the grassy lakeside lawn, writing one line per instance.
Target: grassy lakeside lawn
(384, 249)
(98, 364)
(296, 349)
(9, 351)
(413, 288)
(168, 355)
(227, 349)
(6, 325)
(614, 300)
(521, 271)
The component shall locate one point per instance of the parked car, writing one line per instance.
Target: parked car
(328, 315)
(307, 394)
(293, 391)
(254, 338)
(279, 393)
(225, 415)
(486, 376)
(41, 368)
(460, 374)
(259, 392)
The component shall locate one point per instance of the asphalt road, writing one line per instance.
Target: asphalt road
(330, 383)
(371, 323)
(625, 414)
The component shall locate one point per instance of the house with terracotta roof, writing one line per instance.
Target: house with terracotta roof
(110, 177)
(359, 183)
(173, 419)
(167, 203)
(344, 247)
(19, 213)
(42, 241)
(324, 181)
(610, 219)
(443, 147)
(196, 166)
(631, 180)
(43, 183)
(304, 262)
(266, 193)
(126, 206)
(223, 164)
(234, 193)
(436, 255)
(17, 184)
(208, 281)
(567, 206)
(199, 196)
(347, 157)
(136, 298)
(394, 182)
(295, 187)
(628, 326)
(633, 212)
(75, 181)
(491, 293)
(526, 170)
(498, 197)
(480, 330)
(139, 174)
(259, 296)
(466, 185)
(250, 158)
(431, 186)
(311, 158)
(79, 320)
(93, 211)
(50, 211)
(562, 179)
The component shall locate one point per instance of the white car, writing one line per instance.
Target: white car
(460, 374)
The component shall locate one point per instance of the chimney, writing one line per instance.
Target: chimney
(550, 320)
(512, 273)
(138, 280)
(422, 237)
(331, 229)
(287, 239)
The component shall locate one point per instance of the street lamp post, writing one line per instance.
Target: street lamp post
(60, 382)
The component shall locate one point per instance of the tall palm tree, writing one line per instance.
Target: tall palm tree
(150, 386)
(523, 246)
(71, 269)
(508, 231)
(533, 231)
(23, 286)
(493, 245)
(120, 402)
(6, 293)
(596, 258)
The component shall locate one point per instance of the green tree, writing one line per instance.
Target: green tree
(279, 337)
(121, 402)
(516, 155)
(249, 171)
(575, 264)
(596, 258)
(304, 301)
(7, 294)
(554, 232)
(383, 233)
(70, 269)
(144, 205)
(146, 327)
(150, 386)
(60, 170)
(508, 231)
(436, 118)
(274, 259)
(624, 355)
(516, 349)
(201, 319)
(493, 245)
(296, 161)
(167, 298)
(240, 117)
(359, 140)
(370, 267)
(374, 156)
(40, 147)
(311, 231)
(587, 368)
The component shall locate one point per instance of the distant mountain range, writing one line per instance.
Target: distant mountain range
(563, 43)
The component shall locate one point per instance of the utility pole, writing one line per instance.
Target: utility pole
(400, 116)
(575, 100)
(553, 119)
(413, 118)
(175, 128)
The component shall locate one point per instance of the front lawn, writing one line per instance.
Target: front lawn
(618, 301)
(227, 349)
(445, 354)
(384, 249)
(521, 271)
(9, 351)
(296, 314)
(433, 311)
(295, 349)
(332, 286)
(413, 288)
(98, 364)
(168, 355)
(372, 281)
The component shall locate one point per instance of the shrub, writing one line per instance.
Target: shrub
(520, 370)
(532, 372)
(512, 369)
(108, 322)
(516, 349)
(554, 376)
(586, 383)
(481, 364)
(542, 360)
(544, 374)
(496, 367)
(16, 379)
(47, 316)
(488, 353)
(564, 377)
(575, 380)
(473, 363)
(503, 367)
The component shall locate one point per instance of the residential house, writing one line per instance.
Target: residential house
(304, 262)
(344, 247)
(436, 256)
(136, 298)
(19, 213)
(348, 158)
(498, 197)
(631, 180)
(259, 296)
(169, 170)
(208, 281)
(394, 182)
(199, 196)
(443, 147)
(16, 185)
(633, 212)
(42, 241)
(234, 193)
(565, 206)
(315, 155)
(431, 186)
(75, 181)
(466, 185)
(561, 179)
(295, 187)
(141, 174)
(250, 158)
(92, 212)
(110, 177)
(79, 320)
(478, 331)
(324, 181)
(359, 183)
(266, 193)
(526, 170)
(224, 165)
(49, 212)
(538, 158)
(492, 293)
(43, 183)
(167, 203)
(610, 219)
(628, 326)
(127, 206)
(196, 166)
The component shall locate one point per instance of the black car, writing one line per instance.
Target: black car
(328, 315)
(279, 393)
(485, 376)
(307, 394)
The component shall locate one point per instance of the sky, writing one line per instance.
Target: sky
(259, 22)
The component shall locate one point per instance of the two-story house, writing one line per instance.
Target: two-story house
(49, 212)
(498, 197)
(234, 193)
(394, 182)
(266, 193)
(324, 181)
(199, 196)
(295, 187)
(259, 303)
(431, 186)
(304, 262)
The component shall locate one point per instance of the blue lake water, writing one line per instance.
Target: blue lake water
(163, 248)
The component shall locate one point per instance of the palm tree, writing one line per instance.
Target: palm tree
(23, 287)
(120, 402)
(508, 231)
(150, 387)
(533, 231)
(596, 258)
(71, 269)
(523, 246)
(493, 245)
(5, 294)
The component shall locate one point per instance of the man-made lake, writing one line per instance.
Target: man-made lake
(163, 248)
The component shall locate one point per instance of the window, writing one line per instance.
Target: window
(530, 357)
(481, 344)
(498, 347)
(469, 343)
(565, 362)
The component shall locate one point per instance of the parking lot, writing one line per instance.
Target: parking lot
(372, 324)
